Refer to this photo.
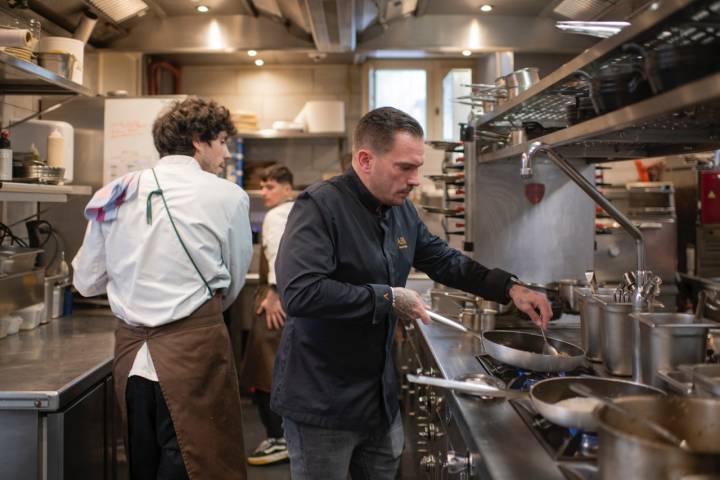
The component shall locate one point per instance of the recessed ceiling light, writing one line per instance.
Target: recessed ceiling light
(486, 8)
(259, 62)
(252, 53)
(203, 8)
(466, 53)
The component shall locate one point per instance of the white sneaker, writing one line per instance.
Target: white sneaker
(271, 450)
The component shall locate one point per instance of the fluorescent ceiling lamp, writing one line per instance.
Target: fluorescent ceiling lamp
(466, 53)
(486, 8)
(252, 53)
(203, 8)
(119, 10)
(593, 29)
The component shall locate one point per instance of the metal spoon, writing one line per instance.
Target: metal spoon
(547, 348)
(660, 430)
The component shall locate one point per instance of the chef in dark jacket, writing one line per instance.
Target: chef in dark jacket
(344, 259)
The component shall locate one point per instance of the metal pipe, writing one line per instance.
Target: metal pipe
(526, 171)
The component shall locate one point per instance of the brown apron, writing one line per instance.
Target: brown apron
(262, 344)
(194, 364)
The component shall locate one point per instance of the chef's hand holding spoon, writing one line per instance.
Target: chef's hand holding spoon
(408, 305)
(534, 304)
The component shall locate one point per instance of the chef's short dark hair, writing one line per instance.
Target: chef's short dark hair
(376, 129)
(175, 128)
(279, 173)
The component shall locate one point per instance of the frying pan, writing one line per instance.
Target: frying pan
(547, 394)
(524, 350)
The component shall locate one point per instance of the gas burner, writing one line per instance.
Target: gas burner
(518, 378)
(563, 444)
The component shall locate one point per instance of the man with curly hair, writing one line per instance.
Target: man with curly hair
(171, 246)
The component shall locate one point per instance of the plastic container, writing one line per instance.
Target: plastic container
(13, 324)
(31, 316)
(65, 45)
(4, 326)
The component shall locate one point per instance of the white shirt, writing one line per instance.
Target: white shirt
(148, 277)
(272, 229)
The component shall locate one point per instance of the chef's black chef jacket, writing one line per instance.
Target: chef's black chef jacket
(341, 253)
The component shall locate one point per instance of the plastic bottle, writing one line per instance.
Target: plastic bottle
(5, 156)
(55, 149)
(63, 268)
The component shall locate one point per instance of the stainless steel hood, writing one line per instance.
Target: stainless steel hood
(327, 26)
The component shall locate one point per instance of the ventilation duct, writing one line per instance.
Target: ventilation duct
(119, 10)
(583, 9)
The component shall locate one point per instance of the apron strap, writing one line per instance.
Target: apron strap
(148, 216)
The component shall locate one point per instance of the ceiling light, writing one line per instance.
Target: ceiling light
(259, 62)
(486, 8)
(252, 53)
(466, 53)
(203, 8)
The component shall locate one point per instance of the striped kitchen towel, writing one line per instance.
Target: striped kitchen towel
(104, 205)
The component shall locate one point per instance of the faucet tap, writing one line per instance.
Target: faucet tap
(526, 171)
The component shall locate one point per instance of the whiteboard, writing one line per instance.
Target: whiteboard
(128, 144)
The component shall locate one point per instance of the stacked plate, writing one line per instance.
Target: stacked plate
(23, 53)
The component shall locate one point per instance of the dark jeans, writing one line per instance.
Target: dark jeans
(270, 420)
(154, 453)
(330, 454)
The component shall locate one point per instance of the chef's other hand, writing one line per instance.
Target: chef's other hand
(409, 305)
(274, 313)
(532, 302)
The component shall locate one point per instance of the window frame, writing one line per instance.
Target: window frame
(436, 69)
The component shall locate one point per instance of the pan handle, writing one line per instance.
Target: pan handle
(464, 387)
(447, 321)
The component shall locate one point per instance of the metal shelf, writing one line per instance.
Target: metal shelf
(35, 192)
(18, 77)
(285, 134)
(666, 22)
(683, 120)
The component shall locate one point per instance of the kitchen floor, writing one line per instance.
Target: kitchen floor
(254, 433)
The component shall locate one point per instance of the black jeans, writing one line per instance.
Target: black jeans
(154, 453)
(270, 420)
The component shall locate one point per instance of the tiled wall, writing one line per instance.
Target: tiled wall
(279, 93)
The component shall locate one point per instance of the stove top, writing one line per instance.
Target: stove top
(574, 450)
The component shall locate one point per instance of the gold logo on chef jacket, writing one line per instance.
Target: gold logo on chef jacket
(401, 242)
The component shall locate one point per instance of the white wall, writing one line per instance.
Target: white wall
(279, 93)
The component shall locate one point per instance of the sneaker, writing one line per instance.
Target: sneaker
(269, 451)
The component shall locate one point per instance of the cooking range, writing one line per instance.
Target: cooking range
(574, 448)
(457, 436)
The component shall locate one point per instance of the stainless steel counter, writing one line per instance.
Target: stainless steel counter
(47, 367)
(492, 429)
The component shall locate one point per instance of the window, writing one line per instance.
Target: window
(455, 113)
(405, 89)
